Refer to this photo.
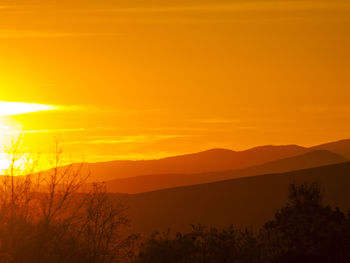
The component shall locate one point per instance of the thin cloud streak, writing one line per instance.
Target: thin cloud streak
(19, 108)
(325, 109)
(7, 130)
(218, 121)
(130, 139)
(106, 110)
(40, 34)
(240, 6)
(217, 7)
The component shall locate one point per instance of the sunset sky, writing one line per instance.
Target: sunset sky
(135, 79)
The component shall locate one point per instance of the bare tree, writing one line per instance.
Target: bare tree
(103, 232)
(17, 202)
(46, 217)
(59, 186)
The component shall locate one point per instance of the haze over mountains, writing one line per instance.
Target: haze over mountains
(341, 147)
(208, 161)
(243, 202)
(147, 183)
(221, 187)
(212, 165)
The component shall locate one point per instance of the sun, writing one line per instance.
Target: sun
(8, 130)
(15, 108)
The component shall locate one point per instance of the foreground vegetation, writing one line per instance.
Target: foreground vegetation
(304, 230)
(50, 217)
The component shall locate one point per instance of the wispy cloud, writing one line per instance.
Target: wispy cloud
(133, 156)
(247, 128)
(215, 6)
(71, 107)
(43, 34)
(16, 108)
(236, 6)
(325, 109)
(106, 110)
(5, 130)
(130, 139)
(56, 130)
(217, 121)
(6, 7)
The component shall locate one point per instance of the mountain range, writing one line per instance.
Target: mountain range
(214, 160)
(243, 202)
(147, 183)
(220, 187)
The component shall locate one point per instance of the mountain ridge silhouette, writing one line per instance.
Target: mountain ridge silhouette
(243, 202)
(148, 183)
(213, 160)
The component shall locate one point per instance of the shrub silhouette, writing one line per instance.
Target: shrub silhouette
(45, 218)
(202, 245)
(304, 230)
(307, 231)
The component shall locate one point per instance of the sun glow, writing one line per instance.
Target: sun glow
(15, 108)
(9, 130)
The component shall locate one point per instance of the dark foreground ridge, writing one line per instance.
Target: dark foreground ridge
(303, 230)
(243, 202)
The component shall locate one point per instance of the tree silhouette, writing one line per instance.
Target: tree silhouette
(202, 245)
(47, 218)
(305, 230)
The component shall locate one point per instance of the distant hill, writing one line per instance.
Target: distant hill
(160, 181)
(207, 161)
(215, 160)
(341, 147)
(246, 201)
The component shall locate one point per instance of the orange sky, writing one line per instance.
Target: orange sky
(144, 79)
